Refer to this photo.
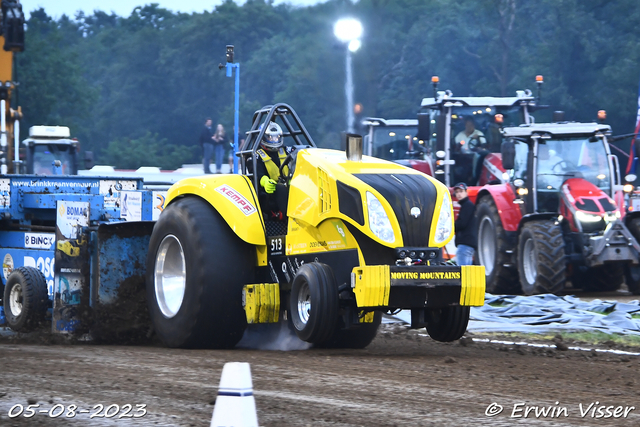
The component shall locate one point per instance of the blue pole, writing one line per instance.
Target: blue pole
(236, 120)
(236, 113)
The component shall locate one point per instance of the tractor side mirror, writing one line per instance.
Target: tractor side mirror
(424, 121)
(508, 150)
(88, 160)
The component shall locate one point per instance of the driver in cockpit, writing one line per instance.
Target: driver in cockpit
(271, 155)
(470, 139)
(548, 160)
(550, 167)
(472, 145)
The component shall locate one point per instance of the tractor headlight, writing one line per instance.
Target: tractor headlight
(378, 220)
(445, 222)
(585, 217)
(611, 216)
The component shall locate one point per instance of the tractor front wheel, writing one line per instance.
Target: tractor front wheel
(541, 258)
(447, 324)
(314, 303)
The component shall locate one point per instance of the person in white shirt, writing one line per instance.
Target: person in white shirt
(551, 168)
(470, 139)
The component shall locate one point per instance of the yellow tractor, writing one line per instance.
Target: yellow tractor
(351, 238)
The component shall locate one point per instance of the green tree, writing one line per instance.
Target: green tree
(53, 89)
(148, 150)
(155, 72)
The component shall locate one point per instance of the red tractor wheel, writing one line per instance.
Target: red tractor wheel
(492, 242)
(541, 258)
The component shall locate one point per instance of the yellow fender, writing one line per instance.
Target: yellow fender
(233, 197)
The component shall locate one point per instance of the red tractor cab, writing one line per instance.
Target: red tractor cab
(464, 132)
(456, 139)
(555, 219)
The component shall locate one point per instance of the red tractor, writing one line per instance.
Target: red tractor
(456, 139)
(555, 219)
(464, 132)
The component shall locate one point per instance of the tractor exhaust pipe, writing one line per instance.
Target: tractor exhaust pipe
(353, 145)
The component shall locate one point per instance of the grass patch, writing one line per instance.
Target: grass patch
(569, 338)
(500, 304)
(603, 312)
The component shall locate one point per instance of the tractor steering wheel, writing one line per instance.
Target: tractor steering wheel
(477, 143)
(474, 143)
(569, 166)
(291, 158)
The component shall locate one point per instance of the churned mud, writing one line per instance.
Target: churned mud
(402, 379)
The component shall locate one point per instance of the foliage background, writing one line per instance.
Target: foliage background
(136, 89)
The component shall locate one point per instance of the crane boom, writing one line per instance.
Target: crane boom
(11, 40)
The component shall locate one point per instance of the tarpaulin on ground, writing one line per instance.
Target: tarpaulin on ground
(548, 313)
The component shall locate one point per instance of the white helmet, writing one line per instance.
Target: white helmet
(272, 136)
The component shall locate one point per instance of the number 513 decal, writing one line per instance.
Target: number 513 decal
(276, 245)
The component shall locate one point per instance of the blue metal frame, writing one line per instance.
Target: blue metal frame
(236, 121)
(35, 196)
(31, 207)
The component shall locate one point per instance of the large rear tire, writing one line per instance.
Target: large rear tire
(541, 258)
(492, 244)
(358, 337)
(26, 299)
(314, 303)
(447, 324)
(196, 268)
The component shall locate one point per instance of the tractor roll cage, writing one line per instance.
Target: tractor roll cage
(268, 114)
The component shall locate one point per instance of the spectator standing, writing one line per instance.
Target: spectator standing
(206, 142)
(466, 226)
(219, 143)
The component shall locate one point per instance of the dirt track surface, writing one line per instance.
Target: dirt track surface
(402, 379)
